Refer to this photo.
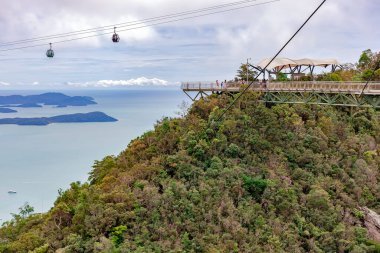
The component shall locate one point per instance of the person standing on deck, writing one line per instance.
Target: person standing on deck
(217, 83)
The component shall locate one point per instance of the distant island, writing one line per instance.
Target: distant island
(51, 98)
(54, 99)
(7, 110)
(69, 118)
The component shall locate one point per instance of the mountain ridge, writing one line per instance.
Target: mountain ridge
(264, 179)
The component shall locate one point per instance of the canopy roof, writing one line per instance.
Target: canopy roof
(289, 63)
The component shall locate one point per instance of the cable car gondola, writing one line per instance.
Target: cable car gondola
(50, 52)
(115, 36)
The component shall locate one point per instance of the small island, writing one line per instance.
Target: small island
(7, 110)
(69, 118)
(51, 98)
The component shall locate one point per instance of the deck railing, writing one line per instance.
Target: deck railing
(290, 86)
(209, 85)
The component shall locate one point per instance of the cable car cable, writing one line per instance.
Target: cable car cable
(139, 27)
(130, 23)
(274, 57)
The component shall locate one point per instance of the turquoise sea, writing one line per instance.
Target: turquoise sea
(36, 161)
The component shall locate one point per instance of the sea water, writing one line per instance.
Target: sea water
(37, 161)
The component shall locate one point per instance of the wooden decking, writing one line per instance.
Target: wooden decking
(373, 88)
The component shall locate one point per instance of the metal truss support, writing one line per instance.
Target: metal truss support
(302, 97)
(200, 94)
(334, 99)
(187, 94)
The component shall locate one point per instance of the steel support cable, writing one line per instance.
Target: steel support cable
(139, 27)
(124, 24)
(262, 71)
(366, 84)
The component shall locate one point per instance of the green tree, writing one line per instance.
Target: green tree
(242, 73)
(368, 75)
(365, 59)
(376, 76)
(282, 77)
(26, 210)
(255, 186)
(117, 235)
(330, 77)
(369, 60)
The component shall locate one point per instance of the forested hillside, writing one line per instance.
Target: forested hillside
(265, 179)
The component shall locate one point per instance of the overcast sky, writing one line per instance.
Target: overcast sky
(206, 48)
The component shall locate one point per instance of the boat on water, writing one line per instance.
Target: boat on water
(11, 192)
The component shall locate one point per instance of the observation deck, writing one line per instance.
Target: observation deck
(352, 94)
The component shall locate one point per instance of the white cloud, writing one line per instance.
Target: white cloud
(206, 48)
(38, 20)
(4, 84)
(141, 81)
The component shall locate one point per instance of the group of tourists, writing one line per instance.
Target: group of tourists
(222, 84)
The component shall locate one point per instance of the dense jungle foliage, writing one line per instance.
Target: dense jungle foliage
(264, 179)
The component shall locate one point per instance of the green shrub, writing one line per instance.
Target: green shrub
(368, 75)
(282, 77)
(255, 186)
(376, 76)
(330, 77)
(117, 235)
(233, 150)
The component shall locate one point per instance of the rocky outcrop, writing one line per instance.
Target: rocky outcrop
(372, 223)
